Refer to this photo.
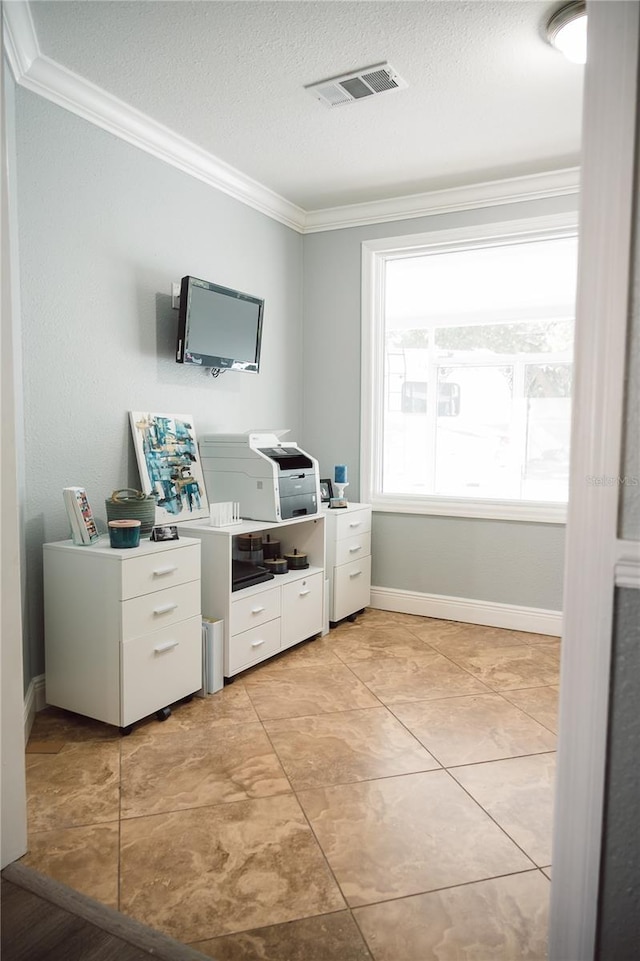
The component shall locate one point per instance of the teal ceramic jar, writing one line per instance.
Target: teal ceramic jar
(124, 533)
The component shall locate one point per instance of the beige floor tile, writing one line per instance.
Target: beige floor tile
(329, 937)
(231, 704)
(551, 648)
(482, 727)
(435, 626)
(451, 637)
(540, 703)
(206, 872)
(403, 835)
(387, 641)
(199, 767)
(301, 691)
(374, 617)
(509, 668)
(349, 746)
(394, 680)
(84, 858)
(518, 794)
(55, 724)
(318, 652)
(529, 638)
(504, 919)
(78, 785)
(243, 874)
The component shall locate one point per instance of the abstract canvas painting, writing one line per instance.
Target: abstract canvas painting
(167, 453)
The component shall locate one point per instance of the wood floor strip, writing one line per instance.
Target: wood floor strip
(55, 922)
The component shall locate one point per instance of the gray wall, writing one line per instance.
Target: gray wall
(619, 934)
(461, 556)
(104, 229)
(522, 563)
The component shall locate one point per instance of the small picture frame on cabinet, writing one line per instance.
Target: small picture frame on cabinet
(326, 490)
(167, 533)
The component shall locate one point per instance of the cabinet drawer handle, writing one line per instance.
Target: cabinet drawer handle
(257, 610)
(355, 574)
(355, 523)
(304, 593)
(165, 608)
(353, 550)
(161, 571)
(167, 646)
(256, 643)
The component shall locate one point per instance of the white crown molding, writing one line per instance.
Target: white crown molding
(19, 37)
(512, 190)
(55, 83)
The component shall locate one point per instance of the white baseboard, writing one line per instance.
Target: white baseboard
(34, 700)
(489, 613)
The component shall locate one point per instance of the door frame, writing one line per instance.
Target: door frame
(593, 550)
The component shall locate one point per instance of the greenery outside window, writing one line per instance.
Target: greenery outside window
(467, 370)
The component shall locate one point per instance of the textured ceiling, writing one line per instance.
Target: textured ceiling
(487, 97)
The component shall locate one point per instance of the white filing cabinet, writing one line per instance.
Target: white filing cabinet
(123, 628)
(266, 618)
(348, 560)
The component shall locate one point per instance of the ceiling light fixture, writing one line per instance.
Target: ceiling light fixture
(567, 31)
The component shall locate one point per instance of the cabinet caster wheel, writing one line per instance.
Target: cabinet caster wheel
(126, 731)
(187, 699)
(352, 617)
(163, 713)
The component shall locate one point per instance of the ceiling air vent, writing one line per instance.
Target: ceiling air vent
(367, 82)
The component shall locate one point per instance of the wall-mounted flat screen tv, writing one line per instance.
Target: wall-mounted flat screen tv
(218, 327)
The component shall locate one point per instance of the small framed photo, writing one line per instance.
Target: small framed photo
(167, 533)
(326, 490)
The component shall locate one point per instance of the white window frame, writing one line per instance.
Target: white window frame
(375, 254)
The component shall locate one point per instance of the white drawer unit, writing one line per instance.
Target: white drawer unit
(252, 646)
(348, 560)
(266, 618)
(153, 612)
(302, 603)
(248, 612)
(123, 628)
(167, 660)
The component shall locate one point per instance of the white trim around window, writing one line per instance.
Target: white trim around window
(374, 255)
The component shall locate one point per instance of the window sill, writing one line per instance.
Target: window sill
(528, 511)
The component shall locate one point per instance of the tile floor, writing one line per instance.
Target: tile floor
(382, 793)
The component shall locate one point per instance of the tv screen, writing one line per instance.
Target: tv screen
(218, 327)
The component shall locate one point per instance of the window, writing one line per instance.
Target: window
(467, 368)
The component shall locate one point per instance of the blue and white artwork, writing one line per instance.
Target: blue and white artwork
(167, 453)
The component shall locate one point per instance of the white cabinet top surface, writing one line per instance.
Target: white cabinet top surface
(344, 510)
(103, 548)
(246, 527)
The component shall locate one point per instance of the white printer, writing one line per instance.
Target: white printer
(273, 480)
